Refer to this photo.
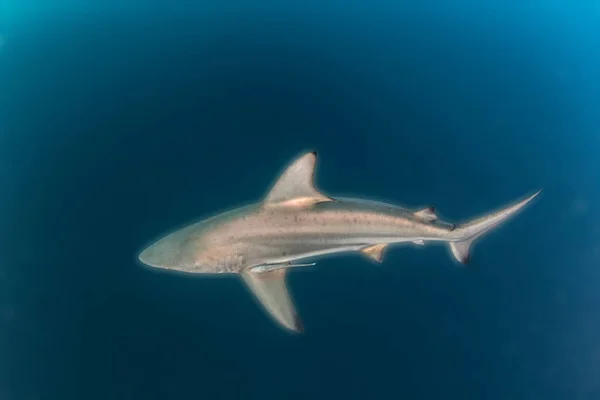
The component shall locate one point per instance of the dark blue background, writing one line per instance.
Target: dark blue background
(120, 121)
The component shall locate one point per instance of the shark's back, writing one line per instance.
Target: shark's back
(362, 205)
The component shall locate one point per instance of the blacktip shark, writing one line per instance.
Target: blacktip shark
(294, 223)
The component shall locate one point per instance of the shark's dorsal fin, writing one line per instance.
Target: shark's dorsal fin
(295, 187)
(375, 252)
(427, 214)
(270, 289)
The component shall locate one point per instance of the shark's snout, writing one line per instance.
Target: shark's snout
(158, 255)
(171, 252)
(148, 257)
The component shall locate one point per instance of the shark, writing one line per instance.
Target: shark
(296, 223)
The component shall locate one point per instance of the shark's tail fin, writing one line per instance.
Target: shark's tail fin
(467, 233)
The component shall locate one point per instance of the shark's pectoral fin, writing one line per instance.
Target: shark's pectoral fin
(375, 252)
(295, 187)
(270, 289)
(427, 214)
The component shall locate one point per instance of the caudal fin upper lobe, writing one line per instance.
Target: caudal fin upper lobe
(467, 233)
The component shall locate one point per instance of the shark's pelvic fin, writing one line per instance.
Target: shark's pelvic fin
(427, 214)
(295, 187)
(270, 289)
(467, 233)
(375, 252)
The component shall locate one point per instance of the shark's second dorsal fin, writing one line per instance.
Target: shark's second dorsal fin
(427, 214)
(295, 187)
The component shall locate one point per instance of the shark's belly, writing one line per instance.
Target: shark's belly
(283, 253)
(223, 259)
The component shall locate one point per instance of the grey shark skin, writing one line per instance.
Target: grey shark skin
(296, 222)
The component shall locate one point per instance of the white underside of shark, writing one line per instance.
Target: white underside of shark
(296, 223)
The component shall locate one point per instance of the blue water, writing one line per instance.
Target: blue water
(120, 121)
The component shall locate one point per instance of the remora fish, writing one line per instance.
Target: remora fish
(296, 222)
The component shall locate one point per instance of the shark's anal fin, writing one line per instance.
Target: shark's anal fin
(374, 252)
(427, 214)
(270, 289)
(295, 187)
